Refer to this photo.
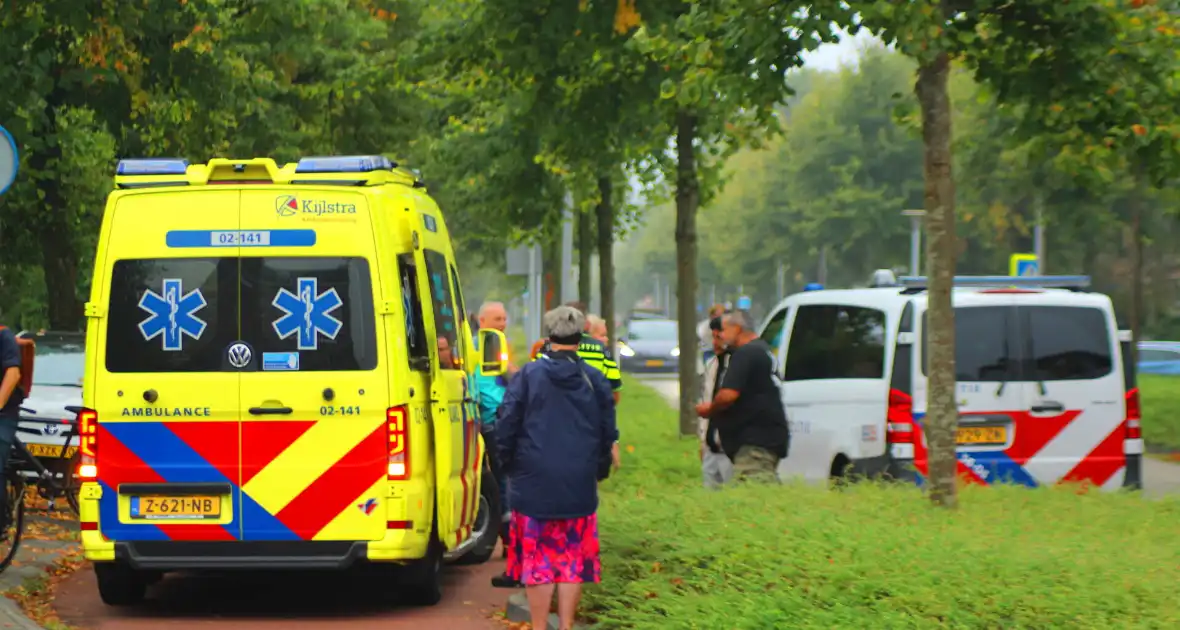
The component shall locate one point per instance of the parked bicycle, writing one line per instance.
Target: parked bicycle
(26, 470)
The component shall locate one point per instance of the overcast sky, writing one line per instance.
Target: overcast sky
(832, 56)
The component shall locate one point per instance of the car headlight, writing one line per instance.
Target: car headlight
(625, 351)
(676, 352)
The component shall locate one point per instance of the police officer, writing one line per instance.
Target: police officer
(594, 352)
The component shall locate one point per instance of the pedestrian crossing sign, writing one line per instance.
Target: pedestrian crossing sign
(1024, 265)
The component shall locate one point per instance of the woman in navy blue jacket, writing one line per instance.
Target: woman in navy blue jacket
(554, 433)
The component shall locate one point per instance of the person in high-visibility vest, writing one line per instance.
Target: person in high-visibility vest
(595, 353)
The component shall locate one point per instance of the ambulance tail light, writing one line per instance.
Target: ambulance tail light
(88, 445)
(900, 418)
(1134, 431)
(397, 427)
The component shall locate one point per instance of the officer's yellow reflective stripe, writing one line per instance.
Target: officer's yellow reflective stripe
(596, 355)
(612, 372)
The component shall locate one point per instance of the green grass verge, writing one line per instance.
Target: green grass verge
(1160, 397)
(872, 556)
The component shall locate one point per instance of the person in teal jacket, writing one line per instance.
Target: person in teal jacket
(489, 393)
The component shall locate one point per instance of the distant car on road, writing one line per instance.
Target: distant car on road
(1159, 357)
(58, 365)
(650, 345)
(646, 313)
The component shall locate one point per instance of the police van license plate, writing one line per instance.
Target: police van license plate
(655, 363)
(50, 450)
(158, 508)
(983, 435)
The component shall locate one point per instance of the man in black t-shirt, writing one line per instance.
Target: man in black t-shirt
(747, 411)
(11, 396)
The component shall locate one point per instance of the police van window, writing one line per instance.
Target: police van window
(446, 324)
(171, 314)
(836, 342)
(773, 334)
(412, 306)
(1067, 343)
(985, 345)
(316, 314)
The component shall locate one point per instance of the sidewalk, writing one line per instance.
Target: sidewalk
(46, 541)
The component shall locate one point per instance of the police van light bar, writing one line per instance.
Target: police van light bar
(345, 164)
(161, 166)
(1049, 282)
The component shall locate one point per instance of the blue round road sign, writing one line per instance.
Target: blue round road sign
(9, 159)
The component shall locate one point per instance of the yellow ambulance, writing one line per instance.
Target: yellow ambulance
(278, 376)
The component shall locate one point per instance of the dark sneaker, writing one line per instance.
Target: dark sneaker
(505, 581)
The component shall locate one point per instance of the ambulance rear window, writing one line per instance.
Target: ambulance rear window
(182, 314)
(171, 314)
(319, 307)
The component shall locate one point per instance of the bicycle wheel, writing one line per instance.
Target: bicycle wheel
(72, 485)
(14, 489)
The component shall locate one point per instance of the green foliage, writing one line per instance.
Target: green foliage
(850, 161)
(678, 556)
(193, 79)
(1160, 397)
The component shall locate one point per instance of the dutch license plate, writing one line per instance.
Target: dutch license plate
(983, 435)
(159, 508)
(655, 363)
(50, 450)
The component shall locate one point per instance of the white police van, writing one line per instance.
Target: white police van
(1045, 385)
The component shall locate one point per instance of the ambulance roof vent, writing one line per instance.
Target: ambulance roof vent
(345, 164)
(152, 166)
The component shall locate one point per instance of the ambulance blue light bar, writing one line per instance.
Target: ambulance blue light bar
(1024, 282)
(148, 166)
(344, 164)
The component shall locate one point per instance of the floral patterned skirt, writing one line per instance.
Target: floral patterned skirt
(551, 551)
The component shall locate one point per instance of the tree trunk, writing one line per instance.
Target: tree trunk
(551, 277)
(687, 199)
(606, 262)
(942, 414)
(1136, 270)
(585, 251)
(59, 259)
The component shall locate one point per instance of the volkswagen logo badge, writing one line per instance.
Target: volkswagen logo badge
(51, 429)
(240, 355)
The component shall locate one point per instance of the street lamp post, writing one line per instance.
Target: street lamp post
(915, 216)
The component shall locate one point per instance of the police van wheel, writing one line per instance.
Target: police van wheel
(119, 585)
(487, 524)
(424, 586)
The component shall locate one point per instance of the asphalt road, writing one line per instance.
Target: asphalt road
(1159, 478)
(286, 601)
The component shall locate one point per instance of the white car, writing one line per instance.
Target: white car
(58, 366)
(1043, 389)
